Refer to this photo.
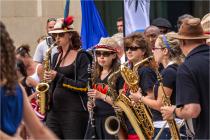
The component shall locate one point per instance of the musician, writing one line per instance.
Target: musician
(14, 103)
(167, 53)
(192, 90)
(136, 50)
(107, 62)
(68, 115)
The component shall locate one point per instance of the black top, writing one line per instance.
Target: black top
(68, 89)
(193, 87)
(169, 81)
(147, 78)
(102, 108)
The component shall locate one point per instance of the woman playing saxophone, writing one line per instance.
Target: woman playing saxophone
(68, 116)
(136, 50)
(167, 53)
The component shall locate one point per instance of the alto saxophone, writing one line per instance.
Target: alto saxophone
(166, 102)
(138, 114)
(43, 87)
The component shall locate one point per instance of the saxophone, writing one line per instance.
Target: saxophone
(43, 87)
(113, 123)
(138, 114)
(166, 102)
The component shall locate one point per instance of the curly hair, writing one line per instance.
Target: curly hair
(75, 42)
(175, 53)
(139, 40)
(7, 51)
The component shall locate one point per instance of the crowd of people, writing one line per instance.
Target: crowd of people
(174, 85)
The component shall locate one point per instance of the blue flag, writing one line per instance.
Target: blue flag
(66, 10)
(92, 26)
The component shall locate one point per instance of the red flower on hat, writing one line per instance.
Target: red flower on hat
(68, 21)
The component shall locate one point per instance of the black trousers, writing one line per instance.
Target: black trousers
(67, 124)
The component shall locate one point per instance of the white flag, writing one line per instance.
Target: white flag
(136, 14)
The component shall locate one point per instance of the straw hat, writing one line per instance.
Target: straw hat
(106, 44)
(190, 29)
(63, 25)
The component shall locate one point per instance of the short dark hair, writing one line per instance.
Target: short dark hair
(23, 50)
(119, 19)
(180, 18)
(51, 19)
(162, 22)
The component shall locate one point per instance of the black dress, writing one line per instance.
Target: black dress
(68, 115)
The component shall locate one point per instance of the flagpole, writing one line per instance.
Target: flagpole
(123, 18)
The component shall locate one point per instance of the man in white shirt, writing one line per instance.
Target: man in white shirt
(42, 46)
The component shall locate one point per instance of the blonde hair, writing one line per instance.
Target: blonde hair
(173, 46)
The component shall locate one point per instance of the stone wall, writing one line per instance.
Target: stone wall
(26, 19)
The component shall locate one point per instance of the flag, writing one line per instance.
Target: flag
(136, 15)
(92, 26)
(66, 9)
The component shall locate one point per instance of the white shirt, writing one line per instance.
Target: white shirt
(41, 50)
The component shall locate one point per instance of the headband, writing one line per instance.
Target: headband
(166, 42)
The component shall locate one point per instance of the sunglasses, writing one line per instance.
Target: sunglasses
(59, 35)
(51, 19)
(105, 54)
(155, 48)
(132, 48)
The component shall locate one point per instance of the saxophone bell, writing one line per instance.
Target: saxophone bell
(42, 89)
(112, 125)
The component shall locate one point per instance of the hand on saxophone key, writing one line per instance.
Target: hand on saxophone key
(116, 108)
(137, 96)
(50, 75)
(167, 112)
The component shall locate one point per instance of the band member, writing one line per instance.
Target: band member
(192, 83)
(167, 53)
(136, 50)
(68, 115)
(107, 62)
(14, 103)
